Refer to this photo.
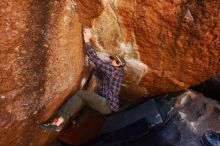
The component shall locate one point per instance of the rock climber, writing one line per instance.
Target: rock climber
(105, 101)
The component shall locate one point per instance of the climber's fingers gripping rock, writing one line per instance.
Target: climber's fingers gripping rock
(87, 35)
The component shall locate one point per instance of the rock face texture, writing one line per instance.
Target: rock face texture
(168, 46)
(41, 61)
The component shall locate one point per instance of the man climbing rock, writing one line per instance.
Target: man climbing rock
(106, 101)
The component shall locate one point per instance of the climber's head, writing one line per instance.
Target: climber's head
(117, 61)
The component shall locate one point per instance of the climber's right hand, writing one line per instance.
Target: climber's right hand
(87, 35)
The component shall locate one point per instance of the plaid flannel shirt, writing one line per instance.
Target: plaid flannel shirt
(111, 78)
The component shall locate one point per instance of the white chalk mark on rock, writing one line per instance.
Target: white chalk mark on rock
(103, 56)
(136, 69)
(188, 16)
(83, 82)
(125, 47)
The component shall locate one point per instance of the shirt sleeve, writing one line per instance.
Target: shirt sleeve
(104, 67)
(98, 74)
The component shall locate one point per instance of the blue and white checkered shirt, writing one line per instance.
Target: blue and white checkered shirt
(111, 79)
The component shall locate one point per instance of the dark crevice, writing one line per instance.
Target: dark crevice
(34, 53)
(209, 88)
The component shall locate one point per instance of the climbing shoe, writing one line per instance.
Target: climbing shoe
(51, 127)
(57, 124)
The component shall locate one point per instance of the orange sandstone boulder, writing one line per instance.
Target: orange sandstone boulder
(41, 61)
(168, 46)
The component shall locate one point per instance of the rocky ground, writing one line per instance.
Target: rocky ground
(187, 116)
